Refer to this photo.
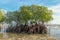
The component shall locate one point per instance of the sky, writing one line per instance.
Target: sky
(54, 5)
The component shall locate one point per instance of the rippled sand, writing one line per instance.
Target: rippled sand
(13, 36)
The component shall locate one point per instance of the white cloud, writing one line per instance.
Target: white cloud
(56, 19)
(56, 14)
(56, 8)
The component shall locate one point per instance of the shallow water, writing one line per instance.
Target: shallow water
(55, 32)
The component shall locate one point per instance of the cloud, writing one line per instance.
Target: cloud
(56, 19)
(56, 8)
(56, 14)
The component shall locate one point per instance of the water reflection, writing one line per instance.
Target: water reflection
(54, 31)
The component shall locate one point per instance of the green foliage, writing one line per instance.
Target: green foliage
(1, 16)
(41, 13)
(33, 12)
(9, 17)
(26, 13)
(17, 16)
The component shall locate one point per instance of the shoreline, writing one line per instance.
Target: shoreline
(27, 37)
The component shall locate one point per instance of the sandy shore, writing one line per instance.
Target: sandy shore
(27, 37)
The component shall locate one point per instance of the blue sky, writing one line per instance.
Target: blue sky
(12, 5)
